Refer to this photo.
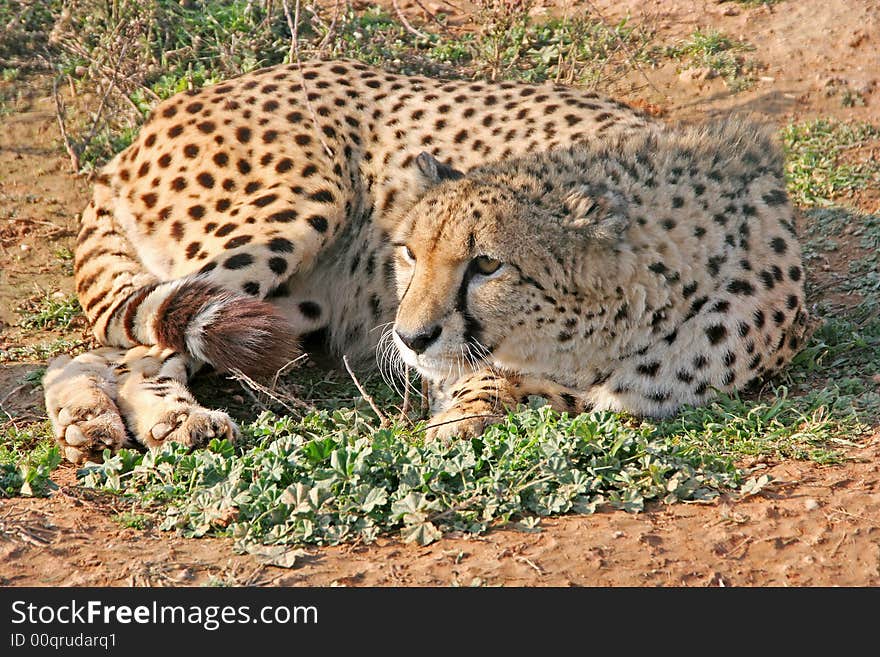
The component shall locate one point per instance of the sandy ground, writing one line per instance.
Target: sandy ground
(815, 525)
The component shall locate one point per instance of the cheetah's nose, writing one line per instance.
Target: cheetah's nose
(418, 342)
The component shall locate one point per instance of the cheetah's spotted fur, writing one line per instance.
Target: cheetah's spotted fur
(254, 212)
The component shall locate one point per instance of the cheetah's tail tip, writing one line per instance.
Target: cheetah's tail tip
(228, 330)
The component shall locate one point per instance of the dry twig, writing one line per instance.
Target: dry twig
(404, 410)
(293, 23)
(406, 23)
(251, 385)
(60, 114)
(425, 405)
(383, 420)
(632, 59)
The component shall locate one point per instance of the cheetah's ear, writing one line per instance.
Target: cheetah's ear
(596, 214)
(435, 171)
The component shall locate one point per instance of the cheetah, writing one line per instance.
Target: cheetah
(638, 273)
(255, 212)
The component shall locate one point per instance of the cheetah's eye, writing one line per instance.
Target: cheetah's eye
(408, 255)
(485, 265)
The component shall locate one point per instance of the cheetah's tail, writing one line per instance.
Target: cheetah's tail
(128, 306)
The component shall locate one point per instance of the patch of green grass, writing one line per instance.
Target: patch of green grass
(27, 458)
(840, 361)
(43, 351)
(583, 51)
(826, 231)
(783, 427)
(132, 520)
(850, 98)
(508, 45)
(105, 144)
(720, 53)
(816, 168)
(50, 312)
(842, 347)
(26, 27)
(64, 256)
(374, 37)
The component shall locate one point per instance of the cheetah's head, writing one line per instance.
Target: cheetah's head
(479, 258)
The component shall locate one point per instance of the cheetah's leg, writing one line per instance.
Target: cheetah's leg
(92, 398)
(157, 406)
(485, 396)
(81, 402)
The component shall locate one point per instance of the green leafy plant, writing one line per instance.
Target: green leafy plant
(50, 312)
(718, 53)
(333, 477)
(817, 166)
(27, 459)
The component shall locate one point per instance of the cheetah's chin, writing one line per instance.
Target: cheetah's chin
(433, 368)
(437, 369)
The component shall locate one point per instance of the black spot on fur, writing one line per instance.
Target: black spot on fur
(716, 333)
(697, 306)
(759, 318)
(236, 242)
(238, 261)
(318, 222)
(265, 200)
(778, 245)
(282, 217)
(310, 309)
(684, 376)
(775, 197)
(278, 265)
(740, 286)
(280, 245)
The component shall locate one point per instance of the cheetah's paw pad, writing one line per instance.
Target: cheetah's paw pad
(193, 427)
(84, 432)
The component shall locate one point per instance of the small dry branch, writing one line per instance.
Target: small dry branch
(383, 419)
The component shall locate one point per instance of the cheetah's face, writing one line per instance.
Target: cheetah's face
(460, 262)
(484, 263)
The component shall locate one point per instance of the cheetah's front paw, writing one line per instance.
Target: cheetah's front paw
(84, 431)
(191, 426)
(457, 423)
